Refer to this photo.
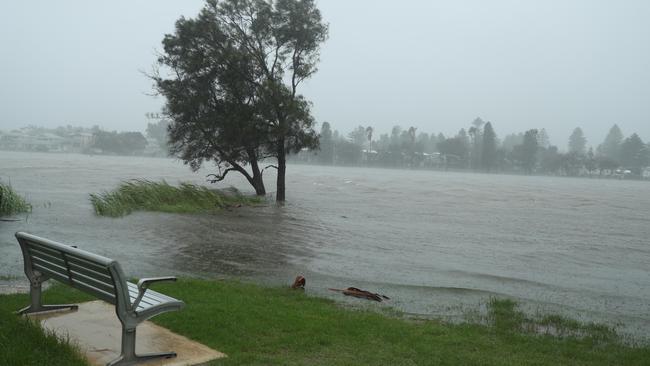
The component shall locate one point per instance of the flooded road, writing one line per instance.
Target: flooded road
(437, 243)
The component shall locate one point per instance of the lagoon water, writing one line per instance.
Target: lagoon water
(437, 243)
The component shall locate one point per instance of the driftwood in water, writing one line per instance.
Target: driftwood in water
(362, 294)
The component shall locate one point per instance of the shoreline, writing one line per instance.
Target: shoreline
(289, 327)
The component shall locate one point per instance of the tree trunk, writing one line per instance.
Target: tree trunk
(256, 180)
(282, 168)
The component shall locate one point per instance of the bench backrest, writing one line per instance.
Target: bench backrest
(99, 276)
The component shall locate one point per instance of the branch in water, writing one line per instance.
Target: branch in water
(220, 176)
(268, 166)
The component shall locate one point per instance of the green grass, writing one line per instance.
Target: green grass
(10, 202)
(144, 195)
(24, 343)
(255, 325)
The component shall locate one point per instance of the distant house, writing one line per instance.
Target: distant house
(14, 140)
(22, 141)
(44, 142)
(80, 141)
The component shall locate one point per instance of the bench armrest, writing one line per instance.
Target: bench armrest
(143, 285)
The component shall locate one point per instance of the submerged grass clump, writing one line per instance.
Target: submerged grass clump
(505, 317)
(10, 202)
(145, 195)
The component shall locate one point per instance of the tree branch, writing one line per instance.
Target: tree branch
(219, 176)
(268, 166)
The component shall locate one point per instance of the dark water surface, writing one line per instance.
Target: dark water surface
(437, 243)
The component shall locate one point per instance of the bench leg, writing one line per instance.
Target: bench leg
(36, 305)
(128, 356)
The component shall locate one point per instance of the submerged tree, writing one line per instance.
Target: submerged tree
(232, 91)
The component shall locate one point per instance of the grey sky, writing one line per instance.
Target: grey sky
(435, 65)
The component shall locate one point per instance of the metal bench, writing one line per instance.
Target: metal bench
(101, 277)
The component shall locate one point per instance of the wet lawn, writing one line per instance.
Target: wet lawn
(256, 325)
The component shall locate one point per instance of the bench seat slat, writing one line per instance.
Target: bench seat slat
(150, 298)
(103, 285)
(108, 297)
(150, 294)
(85, 263)
(101, 276)
(49, 268)
(52, 274)
(55, 258)
(42, 248)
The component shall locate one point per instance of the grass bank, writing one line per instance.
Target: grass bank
(145, 195)
(10, 202)
(270, 326)
(23, 343)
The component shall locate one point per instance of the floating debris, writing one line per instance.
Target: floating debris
(362, 294)
(299, 283)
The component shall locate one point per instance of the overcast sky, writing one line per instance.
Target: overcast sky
(435, 65)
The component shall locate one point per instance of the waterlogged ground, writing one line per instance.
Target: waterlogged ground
(437, 243)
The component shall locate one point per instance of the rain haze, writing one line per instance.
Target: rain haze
(454, 162)
(435, 65)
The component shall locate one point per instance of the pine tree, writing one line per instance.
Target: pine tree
(489, 155)
(577, 142)
(611, 147)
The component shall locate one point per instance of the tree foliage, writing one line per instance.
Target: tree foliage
(119, 143)
(611, 147)
(232, 85)
(526, 153)
(489, 154)
(577, 141)
(158, 132)
(634, 154)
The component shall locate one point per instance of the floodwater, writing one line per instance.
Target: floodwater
(437, 243)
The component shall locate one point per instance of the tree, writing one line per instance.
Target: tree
(489, 145)
(326, 155)
(455, 149)
(359, 136)
(158, 132)
(512, 140)
(634, 154)
(610, 148)
(369, 131)
(577, 142)
(550, 160)
(605, 163)
(347, 152)
(476, 135)
(122, 143)
(542, 139)
(591, 163)
(232, 95)
(527, 152)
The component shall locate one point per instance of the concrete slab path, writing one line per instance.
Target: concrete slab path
(97, 332)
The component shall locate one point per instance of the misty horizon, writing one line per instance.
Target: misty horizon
(432, 65)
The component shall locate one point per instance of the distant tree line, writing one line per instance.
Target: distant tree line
(478, 148)
(118, 143)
